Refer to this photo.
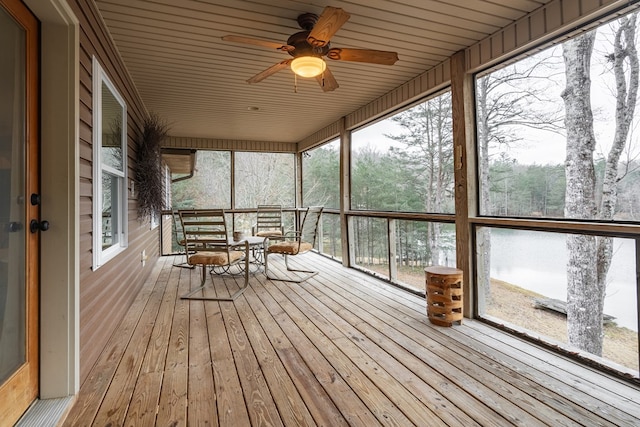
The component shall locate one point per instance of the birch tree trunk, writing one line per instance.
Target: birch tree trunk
(586, 285)
(584, 296)
(624, 52)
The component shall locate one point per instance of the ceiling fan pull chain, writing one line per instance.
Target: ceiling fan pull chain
(295, 83)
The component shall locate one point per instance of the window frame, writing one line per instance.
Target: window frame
(478, 220)
(238, 184)
(308, 152)
(102, 256)
(353, 141)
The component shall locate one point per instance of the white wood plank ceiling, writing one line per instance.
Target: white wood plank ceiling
(196, 81)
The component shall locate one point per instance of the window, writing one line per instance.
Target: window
(371, 245)
(420, 244)
(109, 169)
(321, 187)
(330, 241)
(264, 179)
(542, 152)
(536, 299)
(321, 176)
(167, 186)
(556, 140)
(210, 187)
(405, 163)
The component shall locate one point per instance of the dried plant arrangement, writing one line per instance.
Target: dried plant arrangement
(149, 172)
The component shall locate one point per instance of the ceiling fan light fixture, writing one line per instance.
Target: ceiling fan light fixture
(308, 66)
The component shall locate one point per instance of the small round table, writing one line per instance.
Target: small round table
(256, 245)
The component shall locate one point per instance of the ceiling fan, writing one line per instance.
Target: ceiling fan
(307, 48)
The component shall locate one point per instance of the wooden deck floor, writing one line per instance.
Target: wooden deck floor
(340, 349)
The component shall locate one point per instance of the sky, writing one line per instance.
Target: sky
(538, 146)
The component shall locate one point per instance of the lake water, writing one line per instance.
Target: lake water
(537, 261)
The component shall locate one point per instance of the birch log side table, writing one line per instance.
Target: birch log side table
(444, 295)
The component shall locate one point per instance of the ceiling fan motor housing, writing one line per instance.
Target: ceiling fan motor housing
(302, 46)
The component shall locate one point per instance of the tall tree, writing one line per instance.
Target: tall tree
(321, 176)
(209, 187)
(426, 155)
(624, 60)
(586, 280)
(427, 150)
(263, 178)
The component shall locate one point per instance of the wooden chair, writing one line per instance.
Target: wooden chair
(296, 243)
(269, 222)
(207, 244)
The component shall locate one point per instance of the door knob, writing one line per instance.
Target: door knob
(12, 227)
(35, 199)
(36, 225)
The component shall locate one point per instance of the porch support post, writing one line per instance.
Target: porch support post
(345, 192)
(297, 218)
(464, 166)
(393, 264)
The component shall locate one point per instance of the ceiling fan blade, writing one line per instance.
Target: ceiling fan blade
(269, 71)
(326, 81)
(330, 21)
(363, 55)
(258, 42)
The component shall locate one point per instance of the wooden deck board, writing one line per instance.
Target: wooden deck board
(323, 336)
(340, 349)
(409, 338)
(254, 386)
(448, 365)
(428, 385)
(315, 397)
(89, 401)
(172, 406)
(354, 348)
(345, 399)
(228, 390)
(201, 393)
(583, 389)
(535, 370)
(120, 395)
(286, 397)
(144, 403)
